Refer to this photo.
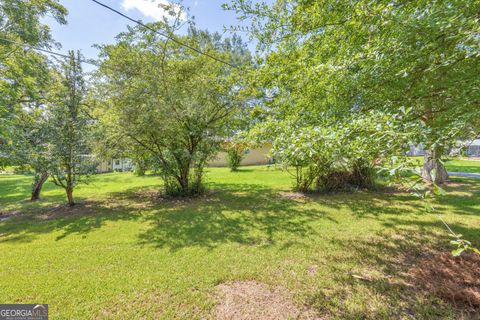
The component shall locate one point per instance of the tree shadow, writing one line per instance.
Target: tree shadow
(248, 214)
(242, 213)
(386, 258)
(255, 215)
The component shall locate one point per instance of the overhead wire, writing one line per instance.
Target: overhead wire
(185, 45)
(45, 50)
(172, 38)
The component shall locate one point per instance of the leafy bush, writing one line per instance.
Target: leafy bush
(332, 155)
(235, 154)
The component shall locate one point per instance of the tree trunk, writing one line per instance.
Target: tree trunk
(69, 190)
(184, 183)
(37, 186)
(433, 170)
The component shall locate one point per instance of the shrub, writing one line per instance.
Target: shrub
(235, 154)
(334, 155)
(234, 158)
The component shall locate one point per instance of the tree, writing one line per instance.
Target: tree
(24, 78)
(69, 128)
(28, 144)
(170, 101)
(23, 71)
(345, 57)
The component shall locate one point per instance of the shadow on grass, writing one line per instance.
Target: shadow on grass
(383, 273)
(247, 214)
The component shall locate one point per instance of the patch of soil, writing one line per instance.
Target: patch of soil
(61, 211)
(292, 195)
(155, 197)
(453, 279)
(252, 300)
(5, 216)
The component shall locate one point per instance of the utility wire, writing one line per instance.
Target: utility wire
(165, 35)
(44, 50)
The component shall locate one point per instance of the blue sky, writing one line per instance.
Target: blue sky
(89, 23)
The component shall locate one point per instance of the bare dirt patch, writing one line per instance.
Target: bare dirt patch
(61, 211)
(290, 195)
(5, 216)
(453, 279)
(252, 300)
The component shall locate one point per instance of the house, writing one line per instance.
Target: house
(416, 151)
(254, 156)
(119, 165)
(470, 148)
(122, 165)
(104, 166)
(473, 149)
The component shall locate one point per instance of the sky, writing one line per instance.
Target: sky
(89, 23)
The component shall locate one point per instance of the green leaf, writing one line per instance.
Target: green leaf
(457, 252)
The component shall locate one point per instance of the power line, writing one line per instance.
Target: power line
(45, 50)
(164, 35)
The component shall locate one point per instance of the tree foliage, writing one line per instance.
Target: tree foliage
(346, 57)
(69, 124)
(24, 74)
(329, 154)
(235, 149)
(22, 71)
(28, 143)
(169, 101)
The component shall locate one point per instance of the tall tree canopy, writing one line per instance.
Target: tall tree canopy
(171, 102)
(355, 56)
(24, 73)
(69, 124)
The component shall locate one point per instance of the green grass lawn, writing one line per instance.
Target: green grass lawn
(455, 164)
(123, 253)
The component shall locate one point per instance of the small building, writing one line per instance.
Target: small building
(416, 151)
(252, 157)
(469, 148)
(122, 165)
(473, 148)
(104, 166)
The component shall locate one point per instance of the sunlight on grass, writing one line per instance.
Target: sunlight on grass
(124, 253)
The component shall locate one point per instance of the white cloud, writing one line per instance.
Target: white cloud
(156, 9)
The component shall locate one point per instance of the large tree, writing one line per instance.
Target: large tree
(356, 56)
(24, 79)
(69, 123)
(28, 144)
(170, 101)
(23, 71)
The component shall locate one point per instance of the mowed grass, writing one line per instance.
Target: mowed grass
(455, 164)
(123, 253)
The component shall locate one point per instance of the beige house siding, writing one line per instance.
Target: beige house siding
(256, 156)
(104, 166)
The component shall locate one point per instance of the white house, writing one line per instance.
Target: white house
(124, 164)
(471, 148)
